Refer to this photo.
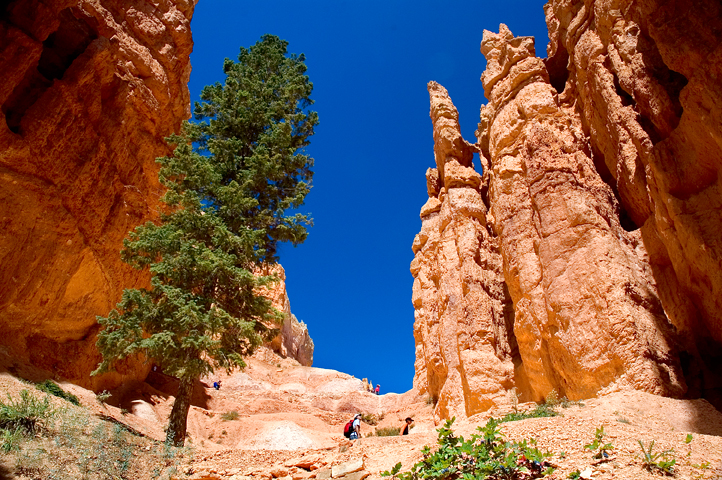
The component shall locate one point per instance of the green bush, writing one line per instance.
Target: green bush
(27, 414)
(48, 386)
(484, 455)
(228, 416)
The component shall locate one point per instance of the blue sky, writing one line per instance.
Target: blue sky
(369, 62)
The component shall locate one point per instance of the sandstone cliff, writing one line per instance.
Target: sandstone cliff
(598, 257)
(293, 340)
(88, 91)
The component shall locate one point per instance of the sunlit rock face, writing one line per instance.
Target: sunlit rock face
(604, 222)
(88, 91)
(463, 357)
(293, 339)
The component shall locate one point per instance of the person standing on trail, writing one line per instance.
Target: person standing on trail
(407, 426)
(356, 426)
(377, 389)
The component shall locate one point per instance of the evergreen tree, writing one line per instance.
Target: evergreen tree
(232, 177)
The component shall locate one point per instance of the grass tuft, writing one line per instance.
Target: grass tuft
(48, 386)
(28, 413)
(229, 416)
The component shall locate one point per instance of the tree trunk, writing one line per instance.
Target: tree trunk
(178, 421)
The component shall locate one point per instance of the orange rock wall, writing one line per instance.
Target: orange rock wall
(293, 339)
(601, 177)
(88, 91)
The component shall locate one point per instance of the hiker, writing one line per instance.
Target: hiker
(407, 426)
(377, 389)
(352, 430)
(217, 385)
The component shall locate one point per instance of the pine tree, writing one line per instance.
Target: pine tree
(232, 176)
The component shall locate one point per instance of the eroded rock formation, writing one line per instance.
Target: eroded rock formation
(293, 339)
(464, 360)
(88, 91)
(604, 209)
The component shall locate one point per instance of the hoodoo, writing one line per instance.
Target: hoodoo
(588, 256)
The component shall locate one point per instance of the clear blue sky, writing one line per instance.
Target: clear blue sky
(369, 62)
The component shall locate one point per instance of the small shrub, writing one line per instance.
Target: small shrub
(229, 416)
(388, 432)
(598, 447)
(623, 420)
(575, 475)
(484, 455)
(10, 440)
(372, 418)
(688, 439)
(103, 397)
(27, 414)
(541, 410)
(48, 386)
(660, 462)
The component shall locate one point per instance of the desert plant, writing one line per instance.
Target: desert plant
(372, 418)
(10, 439)
(598, 447)
(660, 462)
(388, 432)
(28, 413)
(48, 386)
(484, 455)
(541, 410)
(229, 416)
(103, 397)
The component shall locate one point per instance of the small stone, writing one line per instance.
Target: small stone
(356, 475)
(323, 474)
(346, 468)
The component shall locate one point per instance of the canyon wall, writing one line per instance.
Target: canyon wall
(598, 248)
(88, 91)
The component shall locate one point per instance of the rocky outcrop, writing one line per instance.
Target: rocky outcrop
(646, 81)
(293, 339)
(88, 91)
(463, 356)
(604, 207)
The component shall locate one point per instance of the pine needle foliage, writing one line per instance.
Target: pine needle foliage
(232, 177)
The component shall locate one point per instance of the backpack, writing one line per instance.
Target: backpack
(348, 428)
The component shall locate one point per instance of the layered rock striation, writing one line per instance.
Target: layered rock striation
(88, 91)
(603, 223)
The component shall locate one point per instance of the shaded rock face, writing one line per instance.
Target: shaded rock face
(88, 91)
(604, 219)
